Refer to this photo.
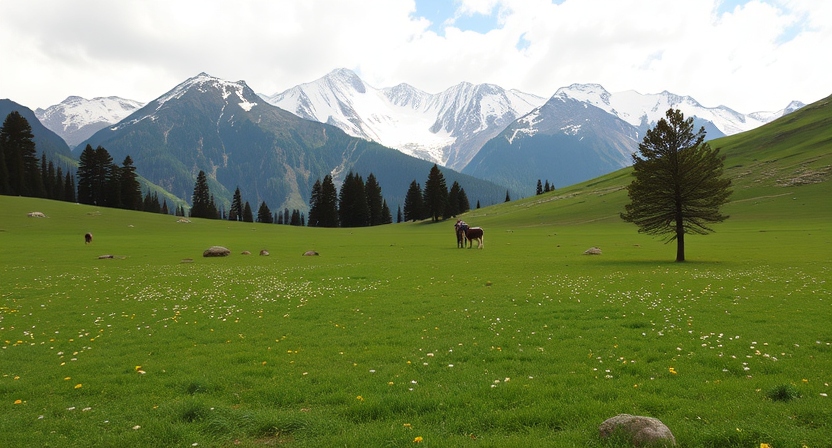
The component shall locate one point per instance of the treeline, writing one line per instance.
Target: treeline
(435, 201)
(541, 188)
(204, 206)
(359, 203)
(99, 180)
(20, 172)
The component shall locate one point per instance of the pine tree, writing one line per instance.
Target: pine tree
(264, 215)
(58, 192)
(86, 166)
(386, 217)
(131, 190)
(678, 186)
(539, 187)
(375, 202)
(201, 200)
(452, 208)
(327, 205)
(464, 205)
(22, 177)
(69, 188)
(413, 203)
(399, 216)
(295, 220)
(248, 216)
(165, 210)
(314, 203)
(508, 197)
(352, 206)
(235, 213)
(435, 194)
(105, 179)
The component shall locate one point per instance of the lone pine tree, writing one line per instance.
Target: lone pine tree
(678, 186)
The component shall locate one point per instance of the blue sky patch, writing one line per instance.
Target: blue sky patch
(441, 13)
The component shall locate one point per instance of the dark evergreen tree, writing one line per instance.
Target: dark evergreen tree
(279, 217)
(374, 201)
(328, 204)
(464, 205)
(453, 201)
(264, 215)
(58, 192)
(436, 194)
(248, 216)
(314, 203)
(21, 176)
(302, 220)
(106, 190)
(235, 213)
(51, 182)
(86, 167)
(678, 186)
(295, 220)
(399, 216)
(131, 190)
(352, 202)
(69, 188)
(201, 200)
(165, 210)
(386, 217)
(508, 197)
(478, 204)
(44, 173)
(539, 187)
(546, 186)
(414, 208)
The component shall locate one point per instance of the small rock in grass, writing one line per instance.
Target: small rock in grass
(216, 251)
(264, 253)
(592, 251)
(310, 253)
(638, 430)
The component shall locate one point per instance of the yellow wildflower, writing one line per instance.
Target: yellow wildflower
(418, 439)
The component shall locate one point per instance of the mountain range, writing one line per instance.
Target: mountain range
(506, 138)
(225, 129)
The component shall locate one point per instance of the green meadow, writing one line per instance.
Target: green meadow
(393, 337)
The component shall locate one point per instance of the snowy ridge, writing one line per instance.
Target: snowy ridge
(446, 128)
(202, 83)
(645, 110)
(76, 118)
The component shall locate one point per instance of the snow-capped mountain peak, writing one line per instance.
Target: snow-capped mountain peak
(204, 82)
(447, 128)
(75, 119)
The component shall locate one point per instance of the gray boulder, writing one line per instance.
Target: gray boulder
(216, 251)
(638, 430)
(310, 253)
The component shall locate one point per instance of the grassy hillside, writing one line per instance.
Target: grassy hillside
(393, 336)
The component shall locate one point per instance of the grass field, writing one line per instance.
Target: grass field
(392, 336)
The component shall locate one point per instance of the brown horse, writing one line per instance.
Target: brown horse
(465, 233)
(474, 233)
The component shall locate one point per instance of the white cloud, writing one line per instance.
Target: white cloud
(758, 55)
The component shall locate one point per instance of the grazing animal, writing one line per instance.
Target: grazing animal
(88, 238)
(469, 234)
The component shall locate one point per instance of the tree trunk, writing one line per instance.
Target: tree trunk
(680, 243)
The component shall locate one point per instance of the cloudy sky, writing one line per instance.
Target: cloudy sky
(750, 55)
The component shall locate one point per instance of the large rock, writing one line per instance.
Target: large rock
(216, 251)
(640, 431)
